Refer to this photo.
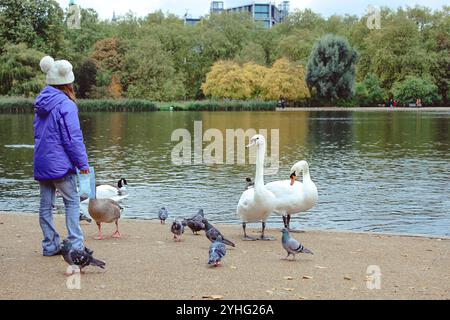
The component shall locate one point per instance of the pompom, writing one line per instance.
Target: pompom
(46, 64)
(64, 67)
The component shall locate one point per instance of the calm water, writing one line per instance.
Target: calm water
(375, 171)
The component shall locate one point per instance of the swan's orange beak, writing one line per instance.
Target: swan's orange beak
(293, 178)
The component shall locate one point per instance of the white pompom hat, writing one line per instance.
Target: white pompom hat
(58, 72)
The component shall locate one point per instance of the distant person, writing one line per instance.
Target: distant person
(419, 103)
(282, 103)
(59, 151)
(395, 104)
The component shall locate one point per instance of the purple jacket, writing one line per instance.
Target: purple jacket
(58, 140)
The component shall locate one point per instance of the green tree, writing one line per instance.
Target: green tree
(85, 77)
(20, 73)
(369, 92)
(331, 68)
(149, 73)
(413, 88)
(37, 23)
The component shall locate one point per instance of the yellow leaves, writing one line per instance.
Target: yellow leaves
(228, 79)
(286, 79)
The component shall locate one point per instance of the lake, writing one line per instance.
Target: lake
(376, 171)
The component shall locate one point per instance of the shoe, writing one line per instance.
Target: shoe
(57, 253)
(89, 251)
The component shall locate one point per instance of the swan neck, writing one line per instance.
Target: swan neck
(259, 177)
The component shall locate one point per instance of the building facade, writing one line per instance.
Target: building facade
(265, 12)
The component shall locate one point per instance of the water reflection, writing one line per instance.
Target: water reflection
(376, 171)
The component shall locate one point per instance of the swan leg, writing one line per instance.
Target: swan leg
(288, 220)
(263, 237)
(117, 234)
(246, 237)
(99, 236)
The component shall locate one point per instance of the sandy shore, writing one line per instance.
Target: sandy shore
(147, 264)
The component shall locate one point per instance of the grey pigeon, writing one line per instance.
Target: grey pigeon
(163, 215)
(212, 233)
(217, 251)
(84, 217)
(177, 229)
(196, 222)
(291, 245)
(249, 183)
(79, 258)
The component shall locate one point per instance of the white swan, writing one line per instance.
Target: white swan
(256, 204)
(110, 192)
(294, 197)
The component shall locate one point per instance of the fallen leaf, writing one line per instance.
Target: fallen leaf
(429, 250)
(288, 278)
(233, 267)
(307, 277)
(288, 289)
(347, 278)
(302, 298)
(269, 292)
(196, 258)
(320, 267)
(353, 288)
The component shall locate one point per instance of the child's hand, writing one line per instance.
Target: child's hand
(84, 171)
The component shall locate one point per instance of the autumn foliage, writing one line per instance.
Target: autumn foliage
(229, 80)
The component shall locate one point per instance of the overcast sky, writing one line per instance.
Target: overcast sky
(201, 7)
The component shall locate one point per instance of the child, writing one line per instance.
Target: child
(59, 150)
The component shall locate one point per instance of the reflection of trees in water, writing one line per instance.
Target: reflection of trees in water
(332, 127)
(399, 134)
(16, 130)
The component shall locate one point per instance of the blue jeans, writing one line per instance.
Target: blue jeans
(68, 189)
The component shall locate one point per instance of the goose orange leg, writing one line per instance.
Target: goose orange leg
(99, 236)
(117, 234)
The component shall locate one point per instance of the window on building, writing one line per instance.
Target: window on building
(262, 11)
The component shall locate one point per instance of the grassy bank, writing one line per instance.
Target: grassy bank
(26, 105)
(218, 105)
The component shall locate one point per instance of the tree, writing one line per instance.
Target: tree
(285, 79)
(108, 54)
(331, 68)
(20, 73)
(115, 88)
(227, 80)
(37, 23)
(369, 91)
(413, 88)
(256, 75)
(251, 52)
(150, 73)
(85, 77)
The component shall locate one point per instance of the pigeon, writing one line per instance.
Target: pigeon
(177, 229)
(212, 233)
(217, 251)
(196, 222)
(84, 217)
(79, 258)
(163, 215)
(291, 245)
(249, 183)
